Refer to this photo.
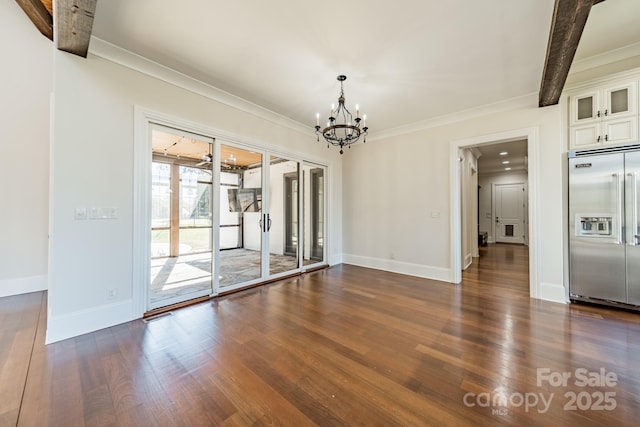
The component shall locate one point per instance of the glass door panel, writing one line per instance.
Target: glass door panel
(314, 214)
(241, 219)
(195, 210)
(282, 215)
(181, 221)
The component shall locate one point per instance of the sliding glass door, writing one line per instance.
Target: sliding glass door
(314, 214)
(181, 220)
(283, 213)
(240, 229)
(259, 217)
(225, 216)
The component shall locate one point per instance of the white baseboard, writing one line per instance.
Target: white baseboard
(418, 270)
(335, 259)
(23, 285)
(553, 292)
(84, 321)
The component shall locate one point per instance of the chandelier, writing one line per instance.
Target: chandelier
(342, 129)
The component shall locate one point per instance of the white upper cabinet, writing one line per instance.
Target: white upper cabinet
(604, 115)
(603, 103)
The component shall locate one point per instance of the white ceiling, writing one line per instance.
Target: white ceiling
(406, 60)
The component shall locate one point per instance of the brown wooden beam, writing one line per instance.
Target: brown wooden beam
(569, 19)
(74, 22)
(39, 15)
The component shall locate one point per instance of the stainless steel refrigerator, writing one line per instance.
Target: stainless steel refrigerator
(604, 237)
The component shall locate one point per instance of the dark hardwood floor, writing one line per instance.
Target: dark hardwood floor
(342, 346)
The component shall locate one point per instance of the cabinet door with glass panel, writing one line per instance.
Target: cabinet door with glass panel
(604, 115)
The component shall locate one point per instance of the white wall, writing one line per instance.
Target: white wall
(26, 85)
(93, 167)
(396, 195)
(485, 202)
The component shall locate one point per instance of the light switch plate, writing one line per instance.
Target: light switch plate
(80, 214)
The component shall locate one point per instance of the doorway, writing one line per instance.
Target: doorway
(530, 135)
(259, 212)
(269, 204)
(199, 202)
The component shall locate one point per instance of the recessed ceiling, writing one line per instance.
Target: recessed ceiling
(493, 162)
(406, 61)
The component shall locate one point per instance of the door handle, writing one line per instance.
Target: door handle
(619, 205)
(634, 209)
(266, 224)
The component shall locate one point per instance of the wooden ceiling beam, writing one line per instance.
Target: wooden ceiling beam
(39, 15)
(569, 19)
(74, 22)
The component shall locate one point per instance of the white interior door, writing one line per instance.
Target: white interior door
(509, 208)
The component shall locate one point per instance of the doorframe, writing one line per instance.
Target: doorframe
(533, 153)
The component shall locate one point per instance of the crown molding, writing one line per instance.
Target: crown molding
(126, 58)
(632, 74)
(605, 58)
(528, 100)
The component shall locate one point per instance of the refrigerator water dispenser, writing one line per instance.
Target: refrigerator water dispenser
(594, 226)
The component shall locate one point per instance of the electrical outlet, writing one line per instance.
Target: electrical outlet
(112, 294)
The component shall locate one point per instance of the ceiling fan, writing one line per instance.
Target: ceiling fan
(206, 160)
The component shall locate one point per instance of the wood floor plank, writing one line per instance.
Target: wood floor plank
(19, 320)
(341, 346)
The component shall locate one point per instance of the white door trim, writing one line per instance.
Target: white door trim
(533, 152)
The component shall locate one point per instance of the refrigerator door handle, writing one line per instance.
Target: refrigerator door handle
(634, 209)
(619, 205)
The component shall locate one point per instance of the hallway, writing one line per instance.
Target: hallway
(501, 268)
